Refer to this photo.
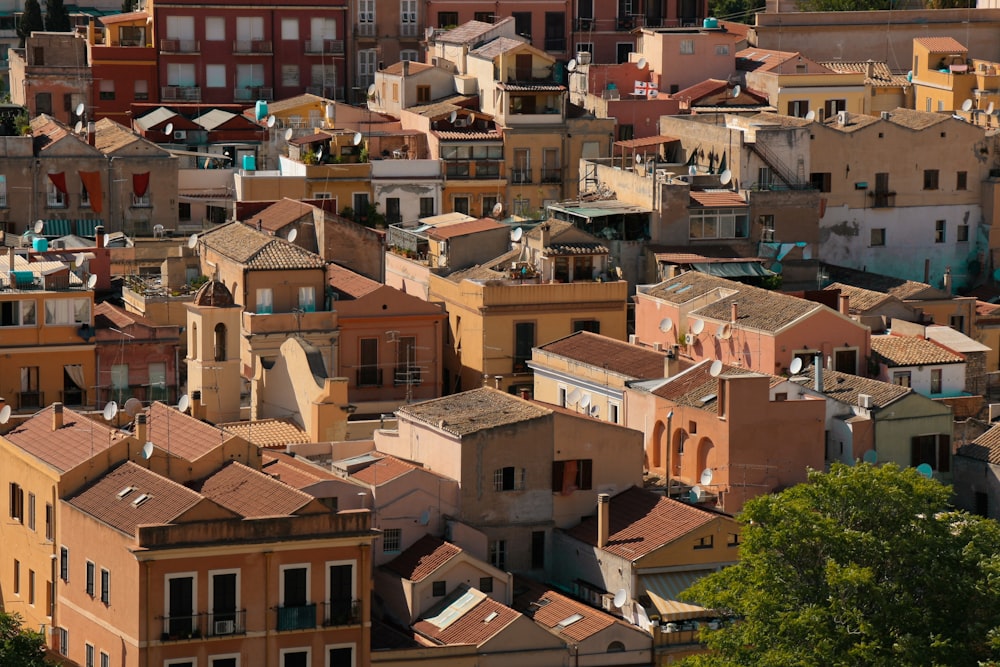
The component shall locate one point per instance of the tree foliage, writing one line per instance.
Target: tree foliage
(862, 566)
(843, 5)
(20, 647)
(56, 17)
(31, 20)
(740, 11)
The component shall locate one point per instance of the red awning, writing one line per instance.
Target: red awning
(140, 183)
(59, 180)
(92, 184)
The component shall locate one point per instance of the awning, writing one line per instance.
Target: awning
(664, 589)
(733, 269)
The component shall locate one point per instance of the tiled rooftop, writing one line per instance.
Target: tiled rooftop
(292, 471)
(466, 616)
(497, 47)
(882, 76)
(984, 448)
(109, 137)
(899, 288)
(845, 387)
(396, 69)
(631, 361)
(550, 609)
(280, 214)
(861, 300)
(250, 493)
(180, 433)
(696, 387)
(274, 433)
(119, 317)
(256, 250)
(423, 558)
(472, 411)
(948, 45)
(911, 351)
(717, 199)
(348, 283)
(918, 120)
(66, 448)
(641, 522)
(469, 32)
(463, 229)
(381, 469)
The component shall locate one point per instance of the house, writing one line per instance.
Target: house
(679, 58)
(975, 475)
(123, 64)
(50, 75)
(974, 352)
(884, 89)
(928, 367)
(135, 357)
(713, 318)
(874, 309)
(942, 76)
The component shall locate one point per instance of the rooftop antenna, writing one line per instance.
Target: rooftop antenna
(5, 414)
(515, 235)
(697, 326)
(92, 281)
(192, 241)
(725, 177)
(811, 115)
(725, 332)
(184, 403)
(147, 450)
(289, 133)
(621, 597)
(357, 138)
(735, 92)
(571, 65)
(271, 120)
(452, 116)
(80, 109)
(497, 210)
(967, 105)
(715, 369)
(642, 63)
(110, 410)
(38, 227)
(78, 128)
(706, 477)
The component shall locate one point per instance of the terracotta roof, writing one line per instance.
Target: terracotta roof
(75, 443)
(294, 102)
(984, 448)
(292, 471)
(259, 251)
(107, 501)
(478, 272)
(443, 107)
(854, 122)
(641, 522)
(47, 130)
(349, 283)
(109, 137)
(280, 214)
(631, 361)
(897, 287)
(458, 135)
(274, 433)
(377, 469)
(180, 433)
(120, 18)
(646, 141)
(396, 69)
(215, 294)
(530, 87)
(941, 44)
(551, 609)
(985, 309)
(120, 317)
(861, 300)
(497, 47)
(702, 89)
(845, 388)
(717, 199)
(467, 616)
(763, 59)
(468, 32)
(472, 411)
(882, 76)
(911, 351)
(463, 229)
(424, 558)
(250, 493)
(697, 388)
(918, 120)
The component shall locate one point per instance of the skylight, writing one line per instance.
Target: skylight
(140, 500)
(490, 617)
(569, 620)
(124, 492)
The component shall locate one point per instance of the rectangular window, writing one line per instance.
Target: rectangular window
(614, 413)
(932, 449)
(508, 479)
(498, 554)
(798, 108)
(140, 90)
(719, 223)
(574, 475)
(939, 231)
(290, 75)
(215, 29)
(555, 31)
(962, 234)
(64, 564)
(391, 540)
(250, 75)
(524, 340)
(265, 301)
(17, 313)
(179, 605)
(67, 311)
(369, 373)
(930, 179)
(820, 181)
(107, 91)
(733, 540)
(408, 18)
(90, 579)
(483, 17)
(17, 577)
(593, 326)
(462, 205)
(705, 542)
(31, 587)
(936, 380)
(89, 655)
(877, 237)
(522, 23)
(54, 197)
(722, 49)
(307, 299)
(105, 659)
(832, 107)
(426, 207)
(180, 27)
(63, 641)
(31, 510)
(901, 378)
(181, 74)
(105, 586)
(438, 589)
(687, 47)
(447, 19)
(367, 60)
(215, 76)
(290, 29)
(537, 549)
(962, 180)
(16, 502)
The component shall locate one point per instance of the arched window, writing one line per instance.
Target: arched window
(616, 647)
(220, 342)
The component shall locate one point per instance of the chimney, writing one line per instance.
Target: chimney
(406, 68)
(544, 231)
(844, 304)
(99, 233)
(818, 368)
(92, 133)
(734, 312)
(525, 393)
(603, 519)
(947, 279)
(140, 429)
(10, 259)
(57, 416)
(196, 403)
(870, 69)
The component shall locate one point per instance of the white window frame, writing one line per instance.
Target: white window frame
(367, 66)
(562, 392)
(193, 576)
(211, 588)
(171, 662)
(264, 301)
(354, 577)
(615, 411)
(294, 649)
(411, 55)
(281, 581)
(350, 645)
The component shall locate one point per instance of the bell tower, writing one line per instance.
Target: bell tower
(213, 356)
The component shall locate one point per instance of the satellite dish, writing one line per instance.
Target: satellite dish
(725, 177)
(967, 105)
(133, 406)
(515, 235)
(715, 369)
(497, 210)
(574, 396)
(80, 108)
(706, 477)
(192, 241)
(585, 401)
(452, 116)
(697, 326)
(107, 239)
(571, 65)
(371, 90)
(78, 128)
(357, 138)
(692, 170)
(795, 366)
(292, 235)
(736, 91)
(925, 470)
(696, 494)
(271, 120)
(641, 64)
(184, 403)
(169, 129)
(472, 118)
(725, 332)
(638, 158)
(621, 597)
(5, 414)
(289, 133)
(39, 226)
(666, 324)
(110, 410)
(425, 518)
(147, 450)
(92, 281)
(595, 411)
(811, 115)
(871, 456)
(989, 109)
(79, 260)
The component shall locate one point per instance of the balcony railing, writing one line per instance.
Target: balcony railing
(249, 93)
(325, 46)
(366, 29)
(222, 623)
(262, 46)
(297, 618)
(369, 377)
(180, 94)
(180, 46)
(520, 176)
(29, 399)
(552, 175)
(341, 612)
(179, 627)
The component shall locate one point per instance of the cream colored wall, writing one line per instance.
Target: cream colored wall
(465, 571)
(683, 551)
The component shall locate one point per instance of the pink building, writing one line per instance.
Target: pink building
(706, 317)
(605, 29)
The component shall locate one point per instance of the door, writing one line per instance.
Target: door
(341, 593)
(181, 606)
(522, 66)
(223, 601)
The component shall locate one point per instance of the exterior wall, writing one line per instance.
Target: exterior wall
(53, 64)
(399, 498)
(218, 380)
(359, 248)
(894, 431)
(952, 378)
(408, 600)
(713, 56)
(114, 348)
(607, 30)
(408, 181)
(125, 66)
(814, 89)
(467, 11)
(407, 275)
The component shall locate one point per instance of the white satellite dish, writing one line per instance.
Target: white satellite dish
(697, 326)
(39, 226)
(715, 369)
(357, 138)
(725, 177)
(795, 366)
(169, 129)
(666, 324)
(516, 235)
(78, 128)
(271, 120)
(574, 396)
(595, 411)
(811, 115)
(184, 403)
(706, 477)
(989, 109)
(736, 91)
(92, 281)
(638, 158)
(192, 240)
(289, 133)
(497, 210)
(571, 65)
(697, 493)
(147, 451)
(641, 64)
(5, 414)
(292, 235)
(585, 401)
(425, 518)
(133, 406)
(452, 116)
(79, 260)
(725, 332)
(371, 90)
(692, 170)
(107, 239)
(967, 105)
(110, 410)
(80, 108)
(621, 597)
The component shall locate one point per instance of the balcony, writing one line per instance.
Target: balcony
(283, 323)
(253, 47)
(552, 175)
(324, 47)
(365, 29)
(180, 94)
(341, 612)
(29, 399)
(181, 627)
(224, 623)
(297, 618)
(250, 93)
(520, 176)
(625, 23)
(180, 46)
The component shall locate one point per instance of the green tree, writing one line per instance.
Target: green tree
(56, 17)
(20, 647)
(843, 5)
(31, 20)
(862, 566)
(740, 11)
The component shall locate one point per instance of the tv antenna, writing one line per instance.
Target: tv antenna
(517, 234)
(967, 105)
(169, 130)
(642, 63)
(725, 177)
(621, 597)
(184, 403)
(271, 120)
(292, 235)
(725, 332)
(5, 414)
(811, 115)
(92, 281)
(133, 406)
(110, 410)
(735, 92)
(357, 138)
(147, 450)
(706, 477)
(571, 65)
(38, 227)
(193, 241)
(497, 210)
(289, 133)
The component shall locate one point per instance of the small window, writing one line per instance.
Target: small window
(64, 563)
(733, 540)
(486, 584)
(391, 540)
(105, 586)
(105, 659)
(17, 577)
(498, 554)
(962, 234)
(31, 511)
(901, 378)
(423, 94)
(878, 237)
(781, 396)
(962, 180)
(63, 641)
(107, 89)
(90, 579)
(936, 380)
(706, 542)
(722, 49)
(930, 179)
(939, 231)
(692, 427)
(687, 47)
(438, 589)
(89, 655)
(508, 479)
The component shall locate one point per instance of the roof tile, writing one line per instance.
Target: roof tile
(470, 624)
(475, 410)
(631, 361)
(425, 557)
(74, 443)
(250, 493)
(912, 351)
(256, 250)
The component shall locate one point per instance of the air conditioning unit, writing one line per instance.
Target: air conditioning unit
(461, 122)
(689, 339)
(865, 401)
(180, 134)
(842, 117)
(225, 627)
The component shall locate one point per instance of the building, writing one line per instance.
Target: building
(608, 32)
(679, 58)
(123, 65)
(976, 481)
(928, 367)
(51, 75)
(884, 90)
(872, 308)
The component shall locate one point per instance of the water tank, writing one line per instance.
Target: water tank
(249, 163)
(261, 109)
(40, 244)
(710, 22)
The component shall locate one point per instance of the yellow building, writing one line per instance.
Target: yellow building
(942, 76)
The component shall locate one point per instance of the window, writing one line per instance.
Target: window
(340, 656)
(295, 658)
(290, 29)
(524, 340)
(939, 231)
(410, 55)
(179, 605)
(935, 380)
(426, 207)
(820, 181)
(483, 17)
(522, 23)
(89, 655)
(105, 586)
(764, 177)
(798, 108)
(508, 479)
(933, 449)
(486, 584)
(215, 76)
(614, 413)
(423, 94)
(341, 593)
(31, 587)
(265, 301)
(31, 510)
(833, 107)
(67, 311)
(3, 191)
(17, 313)
(537, 549)
(719, 223)
(54, 195)
(408, 18)
(555, 31)
(901, 378)
(367, 60)
(90, 579)
(962, 180)
(248, 30)
(215, 29)
(43, 103)
(733, 540)
(158, 381)
(722, 49)
(180, 27)
(17, 577)
(705, 542)
(877, 237)
(438, 589)
(107, 91)
(369, 373)
(224, 601)
(957, 322)
(498, 554)
(930, 179)
(64, 564)
(391, 540)
(63, 641)
(181, 74)
(220, 342)
(250, 75)
(105, 659)
(307, 299)
(687, 47)
(962, 234)
(447, 19)
(16, 502)
(574, 475)
(593, 326)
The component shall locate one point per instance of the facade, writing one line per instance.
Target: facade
(607, 31)
(796, 85)
(929, 368)
(123, 65)
(51, 75)
(682, 57)
(977, 476)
